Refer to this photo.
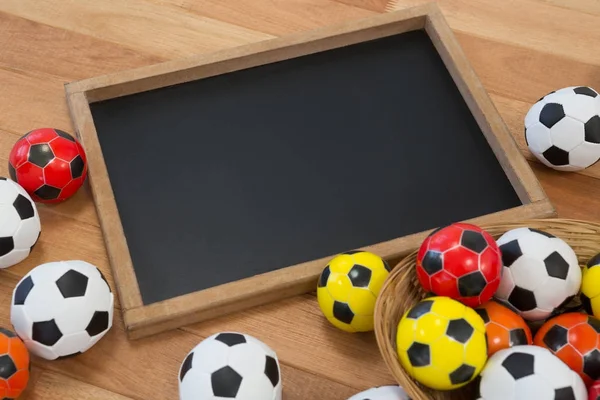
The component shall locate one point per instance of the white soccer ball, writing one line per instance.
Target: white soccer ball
(562, 129)
(19, 223)
(391, 392)
(230, 365)
(63, 308)
(529, 372)
(540, 272)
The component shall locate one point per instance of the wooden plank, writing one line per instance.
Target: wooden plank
(35, 47)
(586, 6)
(526, 23)
(373, 5)
(54, 386)
(276, 17)
(138, 24)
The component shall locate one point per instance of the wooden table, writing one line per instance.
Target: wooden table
(521, 49)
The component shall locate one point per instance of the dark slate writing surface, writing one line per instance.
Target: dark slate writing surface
(235, 175)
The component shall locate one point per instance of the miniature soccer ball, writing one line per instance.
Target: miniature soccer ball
(19, 223)
(50, 164)
(503, 327)
(230, 365)
(575, 339)
(441, 343)
(562, 129)
(348, 288)
(529, 372)
(594, 391)
(391, 392)
(14, 365)
(62, 308)
(540, 272)
(590, 286)
(460, 261)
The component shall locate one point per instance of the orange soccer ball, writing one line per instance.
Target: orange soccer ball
(504, 328)
(14, 365)
(575, 339)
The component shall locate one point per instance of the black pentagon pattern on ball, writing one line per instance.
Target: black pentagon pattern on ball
(556, 338)
(98, 323)
(551, 113)
(592, 130)
(360, 276)
(594, 323)
(432, 262)
(186, 366)
(517, 337)
(47, 192)
(226, 382)
(72, 284)
(23, 290)
(591, 364)
(556, 265)
(556, 156)
(421, 308)
(77, 167)
(7, 367)
(483, 314)
(522, 299)
(24, 207)
(324, 277)
(7, 244)
(271, 370)
(510, 251)
(462, 374)
(40, 155)
(586, 303)
(46, 332)
(419, 354)
(540, 232)
(519, 365)
(565, 393)
(471, 284)
(230, 338)
(7, 333)
(342, 312)
(586, 91)
(459, 330)
(65, 135)
(595, 260)
(473, 241)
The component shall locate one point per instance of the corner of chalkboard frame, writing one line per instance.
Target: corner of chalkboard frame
(142, 320)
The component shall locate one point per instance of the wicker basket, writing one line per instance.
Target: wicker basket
(402, 290)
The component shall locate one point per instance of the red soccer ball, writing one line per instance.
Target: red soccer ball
(49, 164)
(461, 261)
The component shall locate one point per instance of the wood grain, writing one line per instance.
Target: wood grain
(519, 49)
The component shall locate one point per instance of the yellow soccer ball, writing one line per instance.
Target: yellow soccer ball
(590, 286)
(441, 343)
(348, 288)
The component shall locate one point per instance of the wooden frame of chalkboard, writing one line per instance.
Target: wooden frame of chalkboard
(146, 319)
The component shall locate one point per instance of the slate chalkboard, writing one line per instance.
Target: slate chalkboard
(228, 180)
(247, 172)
